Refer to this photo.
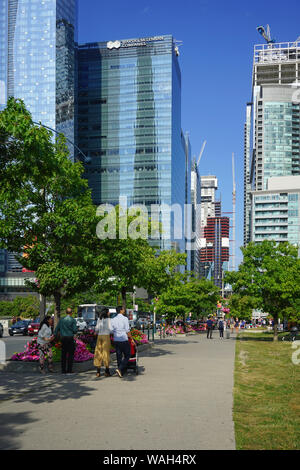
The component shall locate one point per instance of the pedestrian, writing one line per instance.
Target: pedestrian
(102, 350)
(236, 325)
(209, 327)
(44, 339)
(221, 328)
(67, 329)
(231, 324)
(121, 331)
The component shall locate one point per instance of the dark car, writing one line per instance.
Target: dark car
(19, 328)
(33, 327)
(1, 330)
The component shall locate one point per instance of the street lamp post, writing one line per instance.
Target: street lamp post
(86, 159)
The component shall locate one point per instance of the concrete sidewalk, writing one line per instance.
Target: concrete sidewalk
(182, 399)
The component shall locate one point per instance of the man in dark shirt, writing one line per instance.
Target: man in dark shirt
(67, 329)
(221, 328)
(209, 327)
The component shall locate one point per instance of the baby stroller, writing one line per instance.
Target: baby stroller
(133, 361)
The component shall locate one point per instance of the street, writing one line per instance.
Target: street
(14, 343)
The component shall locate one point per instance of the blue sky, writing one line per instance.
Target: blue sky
(216, 66)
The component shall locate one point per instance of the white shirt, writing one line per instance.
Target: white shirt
(45, 332)
(103, 326)
(120, 326)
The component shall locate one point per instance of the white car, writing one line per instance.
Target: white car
(81, 324)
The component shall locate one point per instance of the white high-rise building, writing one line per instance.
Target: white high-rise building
(272, 128)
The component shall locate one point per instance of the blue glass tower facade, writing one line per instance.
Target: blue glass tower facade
(129, 123)
(37, 57)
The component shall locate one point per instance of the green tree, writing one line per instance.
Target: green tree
(188, 294)
(46, 209)
(241, 306)
(129, 257)
(162, 270)
(25, 307)
(270, 274)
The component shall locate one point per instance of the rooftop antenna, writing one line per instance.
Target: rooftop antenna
(266, 34)
(177, 44)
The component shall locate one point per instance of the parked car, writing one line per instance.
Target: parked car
(1, 330)
(33, 327)
(21, 328)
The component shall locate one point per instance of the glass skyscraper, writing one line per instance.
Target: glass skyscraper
(38, 65)
(37, 59)
(129, 123)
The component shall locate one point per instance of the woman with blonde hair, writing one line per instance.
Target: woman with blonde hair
(102, 350)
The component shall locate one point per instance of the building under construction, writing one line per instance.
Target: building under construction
(214, 244)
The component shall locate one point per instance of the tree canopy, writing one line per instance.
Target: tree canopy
(270, 275)
(186, 295)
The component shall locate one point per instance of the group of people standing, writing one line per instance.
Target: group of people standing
(222, 325)
(66, 330)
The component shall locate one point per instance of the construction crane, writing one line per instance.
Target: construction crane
(266, 34)
(233, 213)
(201, 152)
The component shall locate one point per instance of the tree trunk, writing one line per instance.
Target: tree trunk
(42, 311)
(275, 317)
(123, 293)
(57, 300)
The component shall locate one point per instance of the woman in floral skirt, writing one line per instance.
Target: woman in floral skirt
(44, 339)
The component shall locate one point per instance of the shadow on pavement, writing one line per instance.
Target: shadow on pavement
(37, 389)
(11, 428)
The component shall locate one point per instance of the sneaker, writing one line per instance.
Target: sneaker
(119, 373)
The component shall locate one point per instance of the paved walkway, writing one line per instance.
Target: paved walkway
(182, 399)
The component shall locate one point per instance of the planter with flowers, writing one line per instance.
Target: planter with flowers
(139, 337)
(175, 330)
(83, 351)
(31, 353)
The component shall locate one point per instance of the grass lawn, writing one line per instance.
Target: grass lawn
(266, 394)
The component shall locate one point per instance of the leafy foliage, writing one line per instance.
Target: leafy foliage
(270, 275)
(25, 307)
(188, 294)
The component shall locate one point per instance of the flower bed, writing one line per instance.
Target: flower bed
(199, 328)
(83, 351)
(31, 352)
(139, 337)
(172, 330)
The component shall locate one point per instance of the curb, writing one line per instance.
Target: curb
(33, 367)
